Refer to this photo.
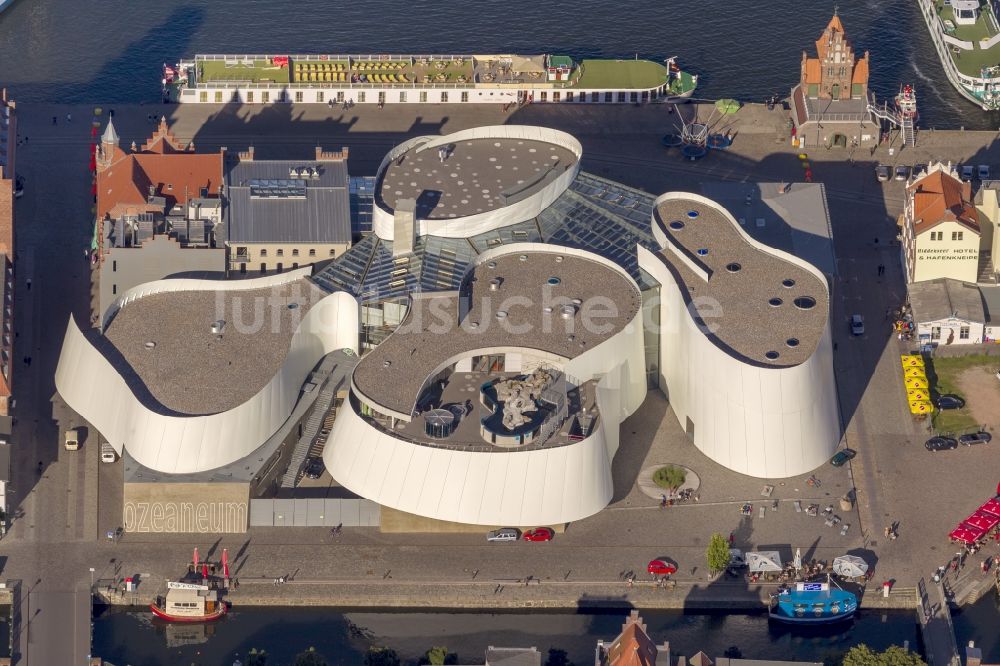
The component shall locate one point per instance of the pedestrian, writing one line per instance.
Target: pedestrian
(732, 538)
(55, 121)
(29, 284)
(69, 117)
(886, 533)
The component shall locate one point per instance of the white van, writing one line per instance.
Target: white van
(108, 454)
(73, 439)
(504, 534)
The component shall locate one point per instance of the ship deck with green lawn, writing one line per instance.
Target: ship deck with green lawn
(382, 79)
(967, 39)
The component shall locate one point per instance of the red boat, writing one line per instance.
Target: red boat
(189, 602)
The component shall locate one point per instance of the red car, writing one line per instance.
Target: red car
(539, 534)
(661, 568)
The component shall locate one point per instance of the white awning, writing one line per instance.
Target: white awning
(764, 561)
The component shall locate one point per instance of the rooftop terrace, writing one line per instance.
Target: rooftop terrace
(763, 308)
(393, 374)
(164, 346)
(477, 176)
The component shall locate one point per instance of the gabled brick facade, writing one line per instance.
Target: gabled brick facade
(834, 74)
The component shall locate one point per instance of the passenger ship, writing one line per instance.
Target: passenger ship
(812, 603)
(422, 79)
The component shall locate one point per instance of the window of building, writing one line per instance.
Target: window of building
(963, 333)
(608, 98)
(249, 97)
(423, 96)
(298, 95)
(555, 96)
(645, 95)
(114, 266)
(935, 332)
(295, 265)
(263, 268)
(218, 97)
(333, 253)
(295, 252)
(280, 252)
(243, 269)
(444, 98)
(265, 97)
(241, 251)
(361, 97)
(381, 97)
(279, 267)
(937, 235)
(312, 252)
(340, 97)
(621, 97)
(235, 99)
(402, 97)
(634, 97)
(203, 96)
(569, 96)
(263, 252)
(320, 96)
(544, 96)
(957, 235)
(465, 96)
(114, 289)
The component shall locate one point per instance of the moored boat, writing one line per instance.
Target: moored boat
(812, 603)
(343, 79)
(189, 602)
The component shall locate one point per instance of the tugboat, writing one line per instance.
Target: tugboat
(189, 602)
(812, 603)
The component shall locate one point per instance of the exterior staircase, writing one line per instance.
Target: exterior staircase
(907, 128)
(310, 429)
(985, 274)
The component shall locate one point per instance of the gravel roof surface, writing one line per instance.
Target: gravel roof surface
(430, 334)
(192, 371)
(473, 176)
(747, 322)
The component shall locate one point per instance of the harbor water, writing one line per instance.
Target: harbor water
(343, 637)
(113, 51)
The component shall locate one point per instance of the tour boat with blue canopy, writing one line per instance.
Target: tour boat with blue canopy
(812, 603)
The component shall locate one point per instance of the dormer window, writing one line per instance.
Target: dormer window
(170, 186)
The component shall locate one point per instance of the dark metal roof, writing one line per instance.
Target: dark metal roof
(282, 214)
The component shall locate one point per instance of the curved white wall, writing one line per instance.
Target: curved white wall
(471, 225)
(765, 422)
(507, 487)
(184, 444)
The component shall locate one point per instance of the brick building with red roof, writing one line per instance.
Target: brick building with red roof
(830, 102)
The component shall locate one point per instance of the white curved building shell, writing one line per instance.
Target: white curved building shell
(472, 225)
(767, 422)
(177, 444)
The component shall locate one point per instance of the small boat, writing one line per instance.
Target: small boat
(812, 603)
(189, 602)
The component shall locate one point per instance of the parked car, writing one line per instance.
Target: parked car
(314, 468)
(108, 454)
(72, 440)
(841, 457)
(661, 568)
(949, 402)
(882, 173)
(539, 534)
(975, 438)
(736, 559)
(967, 172)
(919, 169)
(504, 534)
(857, 324)
(940, 444)
(984, 172)
(902, 172)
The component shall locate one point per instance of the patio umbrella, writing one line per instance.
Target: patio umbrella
(798, 559)
(225, 562)
(963, 534)
(991, 507)
(983, 521)
(204, 571)
(727, 106)
(915, 373)
(850, 566)
(916, 382)
(766, 561)
(195, 558)
(977, 532)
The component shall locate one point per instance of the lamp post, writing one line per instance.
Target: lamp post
(91, 579)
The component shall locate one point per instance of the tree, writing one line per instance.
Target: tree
(558, 657)
(310, 658)
(862, 655)
(669, 477)
(439, 656)
(256, 657)
(381, 656)
(717, 553)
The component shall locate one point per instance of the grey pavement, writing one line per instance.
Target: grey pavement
(58, 530)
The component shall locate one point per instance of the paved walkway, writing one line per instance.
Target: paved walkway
(936, 626)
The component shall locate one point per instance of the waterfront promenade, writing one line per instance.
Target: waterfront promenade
(62, 516)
